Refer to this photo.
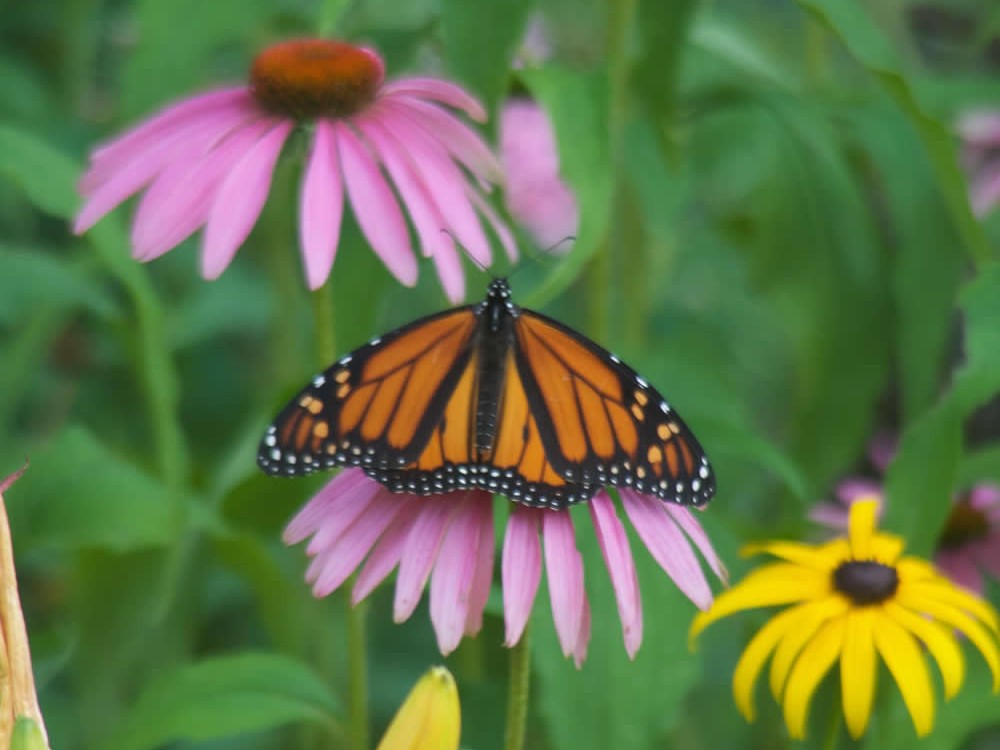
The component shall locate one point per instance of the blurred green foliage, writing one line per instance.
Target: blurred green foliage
(775, 231)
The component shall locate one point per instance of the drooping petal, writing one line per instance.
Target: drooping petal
(813, 663)
(583, 637)
(337, 504)
(500, 229)
(618, 557)
(455, 572)
(444, 182)
(178, 202)
(668, 545)
(755, 655)
(906, 664)
(420, 552)
(436, 90)
(822, 558)
(858, 669)
(388, 552)
(564, 568)
(778, 583)
(482, 579)
(941, 591)
(940, 642)
(321, 207)
(813, 616)
(343, 558)
(427, 219)
(240, 200)
(375, 206)
(521, 570)
(684, 518)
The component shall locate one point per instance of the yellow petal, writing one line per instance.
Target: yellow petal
(908, 669)
(913, 569)
(814, 615)
(779, 583)
(823, 557)
(962, 621)
(861, 528)
(886, 548)
(756, 653)
(857, 670)
(939, 640)
(944, 590)
(814, 662)
(430, 717)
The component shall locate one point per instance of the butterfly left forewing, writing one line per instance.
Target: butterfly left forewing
(600, 422)
(376, 407)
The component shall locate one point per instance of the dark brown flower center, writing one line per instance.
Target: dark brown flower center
(866, 581)
(309, 78)
(964, 525)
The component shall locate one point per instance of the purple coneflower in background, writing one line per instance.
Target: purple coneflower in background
(980, 134)
(536, 196)
(207, 162)
(969, 544)
(357, 524)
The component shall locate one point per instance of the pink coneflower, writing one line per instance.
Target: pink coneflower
(208, 161)
(980, 133)
(969, 544)
(355, 523)
(536, 196)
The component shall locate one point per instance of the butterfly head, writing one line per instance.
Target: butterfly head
(499, 289)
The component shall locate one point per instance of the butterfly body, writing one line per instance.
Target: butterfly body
(490, 396)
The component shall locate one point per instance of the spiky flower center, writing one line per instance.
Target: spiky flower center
(866, 581)
(310, 78)
(965, 524)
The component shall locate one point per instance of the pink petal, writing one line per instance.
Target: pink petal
(444, 182)
(833, 515)
(436, 90)
(849, 491)
(240, 200)
(960, 568)
(668, 545)
(337, 504)
(321, 207)
(427, 219)
(482, 580)
(980, 128)
(389, 550)
(688, 522)
(420, 552)
(618, 557)
(499, 228)
(984, 497)
(134, 141)
(178, 202)
(882, 449)
(459, 139)
(988, 553)
(375, 207)
(521, 570)
(564, 567)
(341, 559)
(455, 571)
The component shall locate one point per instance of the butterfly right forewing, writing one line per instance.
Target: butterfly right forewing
(376, 407)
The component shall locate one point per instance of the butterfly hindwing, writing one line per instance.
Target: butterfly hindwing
(600, 422)
(376, 407)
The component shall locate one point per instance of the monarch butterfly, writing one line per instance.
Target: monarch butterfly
(490, 396)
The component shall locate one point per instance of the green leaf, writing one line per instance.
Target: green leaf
(663, 29)
(480, 39)
(850, 22)
(577, 104)
(226, 696)
(610, 701)
(79, 493)
(45, 175)
(979, 378)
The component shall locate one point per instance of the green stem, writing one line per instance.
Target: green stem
(517, 697)
(357, 642)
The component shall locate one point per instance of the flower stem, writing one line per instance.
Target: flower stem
(357, 641)
(517, 697)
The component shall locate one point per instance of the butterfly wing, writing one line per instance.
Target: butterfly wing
(376, 407)
(515, 465)
(599, 422)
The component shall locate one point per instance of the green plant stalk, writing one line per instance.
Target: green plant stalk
(517, 696)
